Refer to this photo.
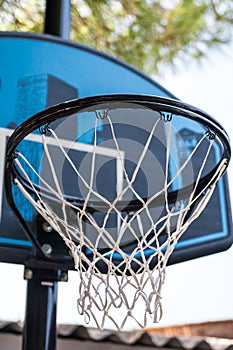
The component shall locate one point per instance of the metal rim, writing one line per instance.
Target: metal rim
(153, 102)
(74, 106)
(77, 105)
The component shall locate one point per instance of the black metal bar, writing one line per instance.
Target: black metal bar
(57, 18)
(41, 303)
(41, 308)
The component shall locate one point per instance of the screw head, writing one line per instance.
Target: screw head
(28, 274)
(46, 227)
(47, 248)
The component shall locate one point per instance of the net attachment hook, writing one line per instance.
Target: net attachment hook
(210, 134)
(15, 154)
(101, 115)
(44, 129)
(167, 116)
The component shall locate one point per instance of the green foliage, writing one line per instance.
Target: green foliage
(145, 33)
(22, 15)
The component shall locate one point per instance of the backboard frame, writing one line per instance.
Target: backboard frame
(21, 249)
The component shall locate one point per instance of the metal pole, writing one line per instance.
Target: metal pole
(41, 308)
(57, 18)
(41, 304)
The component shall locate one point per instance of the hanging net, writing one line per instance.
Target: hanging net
(121, 194)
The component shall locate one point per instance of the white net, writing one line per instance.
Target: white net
(122, 270)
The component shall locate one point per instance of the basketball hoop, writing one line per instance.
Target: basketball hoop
(120, 178)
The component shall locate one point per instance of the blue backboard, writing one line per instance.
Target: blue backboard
(39, 71)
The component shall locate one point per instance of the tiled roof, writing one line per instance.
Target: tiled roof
(130, 339)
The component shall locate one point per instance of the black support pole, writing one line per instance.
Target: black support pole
(41, 304)
(41, 307)
(57, 18)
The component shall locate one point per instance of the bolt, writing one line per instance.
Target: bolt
(28, 274)
(46, 227)
(47, 248)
